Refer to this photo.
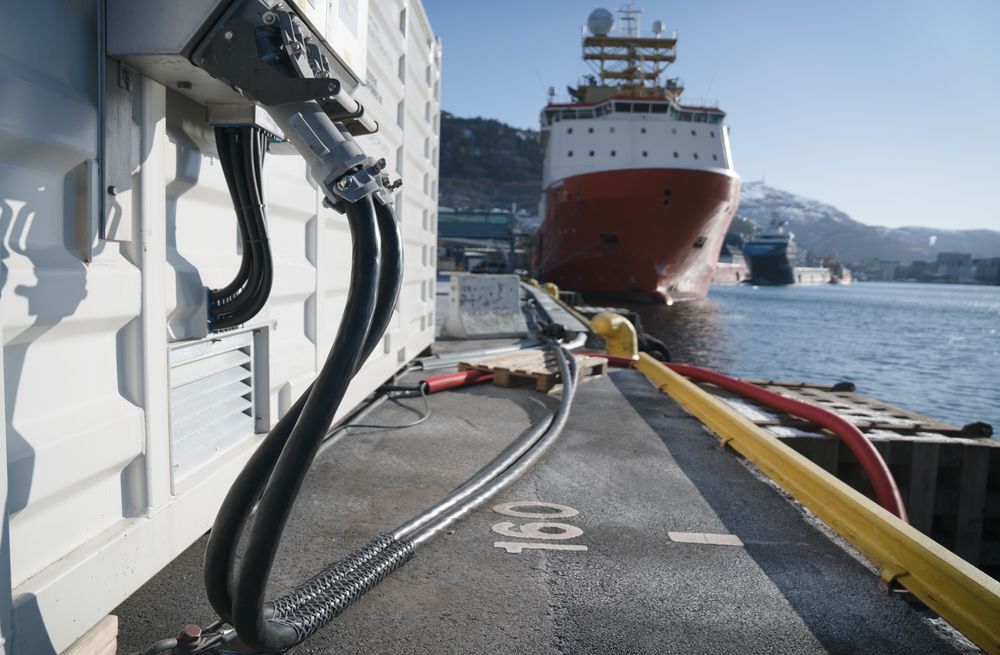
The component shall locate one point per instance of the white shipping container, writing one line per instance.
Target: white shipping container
(110, 471)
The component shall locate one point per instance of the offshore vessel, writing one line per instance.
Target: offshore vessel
(772, 256)
(638, 188)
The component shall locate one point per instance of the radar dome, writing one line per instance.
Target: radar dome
(657, 27)
(600, 22)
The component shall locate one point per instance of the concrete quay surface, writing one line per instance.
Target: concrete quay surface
(636, 469)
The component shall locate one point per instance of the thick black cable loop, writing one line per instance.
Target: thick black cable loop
(306, 436)
(293, 617)
(220, 553)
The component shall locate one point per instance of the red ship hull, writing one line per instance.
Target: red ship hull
(651, 235)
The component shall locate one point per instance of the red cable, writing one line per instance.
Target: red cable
(886, 490)
(438, 383)
(871, 461)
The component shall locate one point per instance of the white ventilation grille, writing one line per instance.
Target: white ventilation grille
(214, 389)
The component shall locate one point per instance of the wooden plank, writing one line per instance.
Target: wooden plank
(923, 485)
(102, 639)
(971, 503)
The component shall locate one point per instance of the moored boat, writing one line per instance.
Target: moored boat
(638, 188)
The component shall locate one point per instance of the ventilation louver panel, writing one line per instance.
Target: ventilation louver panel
(212, 398)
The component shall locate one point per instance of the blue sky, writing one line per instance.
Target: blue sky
(888, 109)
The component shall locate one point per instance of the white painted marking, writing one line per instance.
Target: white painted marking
(539, 530)
(516, 547)
(510, 509)
(705, 538)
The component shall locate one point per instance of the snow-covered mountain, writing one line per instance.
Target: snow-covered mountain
(825, 230)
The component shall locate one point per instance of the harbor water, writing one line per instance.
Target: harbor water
(931, 348)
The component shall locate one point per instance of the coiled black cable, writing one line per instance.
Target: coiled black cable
(273, 475)
(304, 611)
(275, 471)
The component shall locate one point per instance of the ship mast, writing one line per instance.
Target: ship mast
(630, 62)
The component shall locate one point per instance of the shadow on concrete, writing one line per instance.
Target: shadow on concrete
(835, 595)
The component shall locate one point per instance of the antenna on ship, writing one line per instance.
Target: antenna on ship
(628, 63)
(628, 19)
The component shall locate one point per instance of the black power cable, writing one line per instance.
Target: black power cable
(299, 614)
(223, 136)
(241, 152)
(317, 414)
(275, 471)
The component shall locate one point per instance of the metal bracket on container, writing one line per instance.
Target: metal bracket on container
(272, 57)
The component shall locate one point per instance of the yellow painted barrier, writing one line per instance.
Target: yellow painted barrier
(959, 592)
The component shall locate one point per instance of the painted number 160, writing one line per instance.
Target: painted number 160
(544, 531)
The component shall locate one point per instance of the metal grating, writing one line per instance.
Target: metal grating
(214, 399)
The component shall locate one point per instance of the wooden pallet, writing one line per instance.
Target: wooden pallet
(533, 366)
(866, 413)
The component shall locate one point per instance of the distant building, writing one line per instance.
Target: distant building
(880, 270)
(481, 242)
(918, 271)
(954, 267)
(987, 270)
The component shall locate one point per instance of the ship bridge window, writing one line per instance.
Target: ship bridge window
(640, 108)
(701, 118)
(684, 116)
(659, 109)
(585, 113)
(569, 113)
(623, 107)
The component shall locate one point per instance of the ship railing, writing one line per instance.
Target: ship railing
(687, 113)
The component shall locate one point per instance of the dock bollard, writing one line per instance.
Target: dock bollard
(619, 334)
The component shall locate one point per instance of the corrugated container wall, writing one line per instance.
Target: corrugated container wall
(124, 424)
